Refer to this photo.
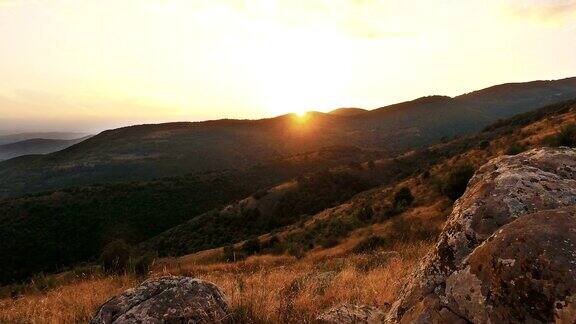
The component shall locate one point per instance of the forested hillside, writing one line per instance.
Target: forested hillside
(52, 230)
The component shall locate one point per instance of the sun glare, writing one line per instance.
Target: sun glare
(300, 117)
(301, 113)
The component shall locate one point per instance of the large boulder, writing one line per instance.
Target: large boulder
(502, 191)
(525, 272)
(166, 300)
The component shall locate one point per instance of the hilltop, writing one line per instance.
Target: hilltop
(348, 111)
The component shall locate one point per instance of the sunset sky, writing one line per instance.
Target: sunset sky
(89, 65)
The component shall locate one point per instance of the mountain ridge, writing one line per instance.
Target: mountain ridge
(150, 151)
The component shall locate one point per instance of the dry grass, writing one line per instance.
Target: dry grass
(268, 289)
(261, 289)
(71, 303)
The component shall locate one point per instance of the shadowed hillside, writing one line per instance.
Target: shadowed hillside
(82, 220)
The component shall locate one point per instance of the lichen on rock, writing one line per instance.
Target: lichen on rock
(166, 300)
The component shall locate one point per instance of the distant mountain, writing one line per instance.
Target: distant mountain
(7, 138)
(152, 151)
(35, 146)
(347, 111)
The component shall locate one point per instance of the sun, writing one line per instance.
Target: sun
(300, 117)
(301, 113)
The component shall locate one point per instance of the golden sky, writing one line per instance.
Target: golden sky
(88, 65)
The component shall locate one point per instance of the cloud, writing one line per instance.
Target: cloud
(542, 9)
(370, 19)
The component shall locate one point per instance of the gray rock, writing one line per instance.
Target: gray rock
(503, 190)
(525, 272)
(166, 300)
(348, 314)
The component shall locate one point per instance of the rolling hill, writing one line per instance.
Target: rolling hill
(7, 138)
(35, 146)
(151, 151)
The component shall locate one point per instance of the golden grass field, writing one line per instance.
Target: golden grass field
(261, 289)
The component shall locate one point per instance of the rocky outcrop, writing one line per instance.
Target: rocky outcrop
(348, 314)
(491, 264)
(166, 300)
(526, 271)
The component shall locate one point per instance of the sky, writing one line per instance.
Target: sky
(83, 65)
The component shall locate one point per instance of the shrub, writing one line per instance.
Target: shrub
(483, 144)
(43, 282)
(296, 250)
(141, 265)
(252, 246)
(229, 254)
(365, 214)
(115, 257)
(565, 137)
(273, 246)
(328, 242)
(515, 148)
(454, 184)
(371, 165)
(403, 198)
(370, 244)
